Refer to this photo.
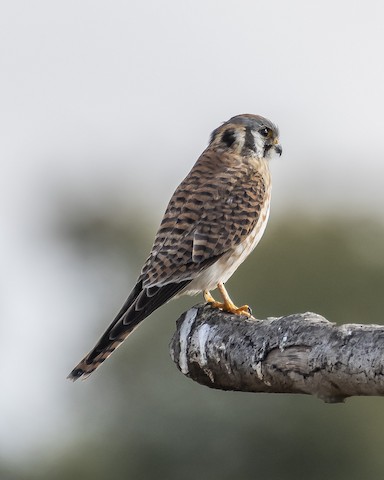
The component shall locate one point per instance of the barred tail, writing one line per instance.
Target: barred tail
(140, 303)
(96, 357)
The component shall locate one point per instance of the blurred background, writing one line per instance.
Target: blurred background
(105, 106)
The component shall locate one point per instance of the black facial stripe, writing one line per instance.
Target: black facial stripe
(249, 141)
(267, 147)
(229, 137)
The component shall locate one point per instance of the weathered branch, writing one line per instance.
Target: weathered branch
(300, 353)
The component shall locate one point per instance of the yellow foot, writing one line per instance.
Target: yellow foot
(227, 305)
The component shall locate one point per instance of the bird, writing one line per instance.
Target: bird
(213, 221)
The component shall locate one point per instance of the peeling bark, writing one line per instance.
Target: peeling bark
(299, 353)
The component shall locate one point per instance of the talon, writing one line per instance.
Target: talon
(227, 305)
(244, 310)
(249, 310)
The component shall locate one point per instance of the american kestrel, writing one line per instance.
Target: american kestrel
(213, 221)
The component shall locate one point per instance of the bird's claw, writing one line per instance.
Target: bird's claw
(227, 305)
(244, 310)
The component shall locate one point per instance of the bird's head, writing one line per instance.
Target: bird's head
(248, 134)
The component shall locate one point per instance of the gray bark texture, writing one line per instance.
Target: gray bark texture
(299, 353)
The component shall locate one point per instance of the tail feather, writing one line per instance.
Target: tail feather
(140, 303)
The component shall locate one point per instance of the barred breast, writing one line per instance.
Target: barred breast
(226, 266)
(214, 220)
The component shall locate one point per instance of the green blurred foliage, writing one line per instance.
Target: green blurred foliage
(139, 418)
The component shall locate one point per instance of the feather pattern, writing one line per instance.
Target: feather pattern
(213, 221)
(212, 211)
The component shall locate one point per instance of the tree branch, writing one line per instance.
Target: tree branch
(300, 353)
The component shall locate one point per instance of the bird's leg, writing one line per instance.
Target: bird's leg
(209, 299)
(227, 305)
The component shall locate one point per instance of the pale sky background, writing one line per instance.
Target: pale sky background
(116, 100)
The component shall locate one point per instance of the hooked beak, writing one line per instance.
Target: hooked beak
(278, 149)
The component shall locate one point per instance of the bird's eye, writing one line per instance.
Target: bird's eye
(264, 131)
